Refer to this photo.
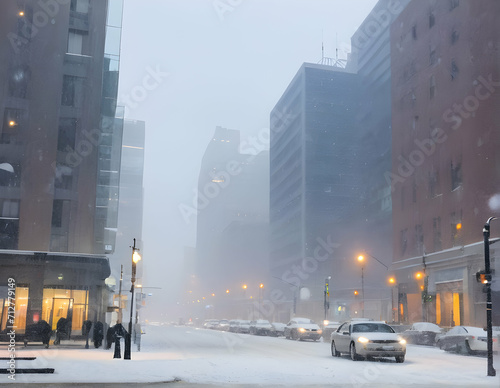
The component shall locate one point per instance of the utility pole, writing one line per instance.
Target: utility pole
(487, 286)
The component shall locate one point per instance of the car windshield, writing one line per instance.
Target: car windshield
(372, 328)
(176, 174)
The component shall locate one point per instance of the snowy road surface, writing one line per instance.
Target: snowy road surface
(226, 359)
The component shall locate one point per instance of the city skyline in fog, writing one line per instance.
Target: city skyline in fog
(214, 64)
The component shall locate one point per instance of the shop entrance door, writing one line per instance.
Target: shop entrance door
(61, 308)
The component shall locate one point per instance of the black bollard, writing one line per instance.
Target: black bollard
(128, 340)
(118, 353)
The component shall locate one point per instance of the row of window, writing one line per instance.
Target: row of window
(432, 20)
(433, 183)
(419, 246)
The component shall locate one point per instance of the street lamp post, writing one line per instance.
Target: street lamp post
(327, 297)
(135, 259)
(487, 285)
(392, 281)
(261, 286)
(361, 260)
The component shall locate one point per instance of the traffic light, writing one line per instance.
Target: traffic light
(483, 277)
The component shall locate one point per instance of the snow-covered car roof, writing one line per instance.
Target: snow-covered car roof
(426, 326)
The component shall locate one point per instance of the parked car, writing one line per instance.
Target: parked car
(278, 329)
(223, 325)
(302, 328)
(422, 333)
(362, 339)
(329, 328)
(244, 327)
(465, 339)
(210, 323)
(234, 325)
(260, 327)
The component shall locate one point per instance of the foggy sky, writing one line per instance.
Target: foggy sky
(188, 66)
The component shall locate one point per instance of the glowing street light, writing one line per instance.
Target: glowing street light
(135, 259)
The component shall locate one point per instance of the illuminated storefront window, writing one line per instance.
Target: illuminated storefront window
(62, 303)
(21, 308)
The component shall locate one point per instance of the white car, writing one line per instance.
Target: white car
(422, 333)
(362, 339)
(278, 329)
(302, 328)
(261, 327)
(465, 339)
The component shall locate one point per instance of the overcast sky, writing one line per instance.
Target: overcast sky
(188, 66)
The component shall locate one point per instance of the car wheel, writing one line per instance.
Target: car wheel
(335, 353)
(400, 359)
(354, 355)
(287, 336)
(467, 348)
(294, 335)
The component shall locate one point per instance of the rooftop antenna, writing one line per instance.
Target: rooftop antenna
(336, 47)
(335, 62)
(322, 47)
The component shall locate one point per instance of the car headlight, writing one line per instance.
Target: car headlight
(302, 330)
(363, 340)
(320, 331)
(402, 341)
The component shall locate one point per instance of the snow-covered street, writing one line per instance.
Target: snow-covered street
(222, 358)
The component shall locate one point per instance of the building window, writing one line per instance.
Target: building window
(432, 86)
(63, 177)
(10, 175)
(80, 6)
(433, 57)
(67, 134)
(456, 175)
(72, 92)
(433, 184)
(9, 208)
(75, 42)
(454, 4)
(414, 32)
(404, 241)
(414, 124)
(454, 70)
(60, 211)
(432, 20)
(18, 82)
(454, 36)
(436, 230)
(10, 125)
(419, 239)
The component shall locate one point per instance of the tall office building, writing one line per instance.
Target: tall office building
(131, 197)
(445, 71)
(130, 208)
(314, 185)
(60, 145)
(232, 222)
